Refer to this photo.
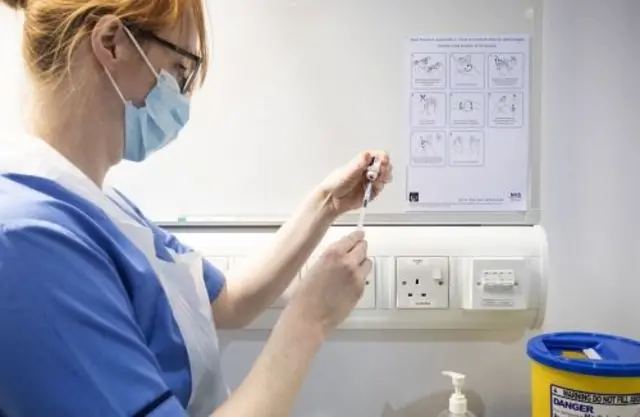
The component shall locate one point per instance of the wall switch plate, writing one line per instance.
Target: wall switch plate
(368, 299)
(422, 282)
(496, 284)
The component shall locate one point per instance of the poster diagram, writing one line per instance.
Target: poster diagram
(428, 109)
(429, 70)
(506, 109)
(467, 148)
(506, 70)
(467, 71)
(428, 148)
(467, 109)
(469, 123)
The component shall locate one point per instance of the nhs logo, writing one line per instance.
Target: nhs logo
(515, 196)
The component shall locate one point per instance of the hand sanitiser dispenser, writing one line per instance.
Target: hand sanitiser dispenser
(457, 401)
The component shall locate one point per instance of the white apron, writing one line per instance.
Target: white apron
(182, 280)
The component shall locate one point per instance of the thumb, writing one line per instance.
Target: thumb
(348, 242)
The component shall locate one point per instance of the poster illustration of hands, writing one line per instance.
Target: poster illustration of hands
(469, 123)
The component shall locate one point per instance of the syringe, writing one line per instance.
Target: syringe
(372, 174)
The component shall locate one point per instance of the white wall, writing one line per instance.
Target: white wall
(590, 198)
(592, 163)
(591, 167)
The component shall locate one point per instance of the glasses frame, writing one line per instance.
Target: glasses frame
(188, 83)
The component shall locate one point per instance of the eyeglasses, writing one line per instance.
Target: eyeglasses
(187, 83)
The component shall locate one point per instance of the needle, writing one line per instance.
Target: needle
(372, 174)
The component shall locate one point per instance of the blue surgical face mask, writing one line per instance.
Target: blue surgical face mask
(157, 123)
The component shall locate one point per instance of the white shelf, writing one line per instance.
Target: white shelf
(458, 244)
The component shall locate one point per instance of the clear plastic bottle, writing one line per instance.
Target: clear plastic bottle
(457, 401)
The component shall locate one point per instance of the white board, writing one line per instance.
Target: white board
(297, 88)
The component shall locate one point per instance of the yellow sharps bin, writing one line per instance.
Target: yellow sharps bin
(576, 374)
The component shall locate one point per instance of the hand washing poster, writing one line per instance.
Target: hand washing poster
(468, 101)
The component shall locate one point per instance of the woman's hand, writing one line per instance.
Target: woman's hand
(344, 188)
(333, 285)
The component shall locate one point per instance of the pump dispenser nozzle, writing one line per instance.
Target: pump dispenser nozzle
(457, 401)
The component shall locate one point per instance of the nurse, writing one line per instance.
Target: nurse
(101, 312)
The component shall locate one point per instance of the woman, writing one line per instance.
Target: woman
(101, 312)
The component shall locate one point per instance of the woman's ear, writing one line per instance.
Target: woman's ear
(109, 42)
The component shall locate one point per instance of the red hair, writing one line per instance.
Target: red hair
(54, 28)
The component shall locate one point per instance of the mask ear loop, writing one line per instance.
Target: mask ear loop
(113, 82)
(144, 56)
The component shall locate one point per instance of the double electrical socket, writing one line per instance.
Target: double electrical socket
(422, 282)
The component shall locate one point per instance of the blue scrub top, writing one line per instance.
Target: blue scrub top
(85, 327)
